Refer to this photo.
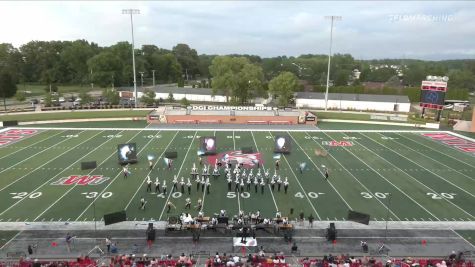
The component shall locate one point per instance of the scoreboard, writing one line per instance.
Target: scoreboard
(433, 94)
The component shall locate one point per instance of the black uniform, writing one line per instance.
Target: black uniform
(149, 186)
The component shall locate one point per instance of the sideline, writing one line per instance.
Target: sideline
(317, 225)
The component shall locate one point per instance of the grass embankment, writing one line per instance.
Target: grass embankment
(75, 115)
(39, 90)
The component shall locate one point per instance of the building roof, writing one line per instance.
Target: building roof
(354, 97)
(173, 90)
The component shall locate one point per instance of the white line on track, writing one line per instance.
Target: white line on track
(321, 172)
(42, 140)
(412, 177)
(380, 175)
(74, 186)
(270, 189)
(141, 184)
(301, 187)
(115, 178)
(178, 174)
(65, 139)
(367, 189)
(48, 181)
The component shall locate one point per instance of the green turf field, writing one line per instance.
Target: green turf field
(416, 178)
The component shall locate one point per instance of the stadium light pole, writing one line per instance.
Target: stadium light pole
(132, 12)
(141, 77)
(332, 18)
(153, 73)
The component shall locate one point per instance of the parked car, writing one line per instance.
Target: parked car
(34, 101)
(77, 102)
(71, 99)
(449, 106)
(61, 99)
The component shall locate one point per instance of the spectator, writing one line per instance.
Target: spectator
(30, 250)
(68, 241)
(310, 220)
(294, 247)
(108, 244)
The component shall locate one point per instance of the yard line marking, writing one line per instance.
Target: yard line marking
(41, 166)
(141, 184)
(74, 186)
(204, 191)
(178, 174)
(66, 139)
(321, 172)
(270, 190)
(424, 167)
(413, 178)
(444, 145)
(455, 232)
(301, 187)
(438, 161)
(16, 151)
(367, 189)
(399, 189)
(48, 181)
(238, 198)
(115, 178)
(13, 238)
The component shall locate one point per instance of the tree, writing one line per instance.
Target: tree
(184, 102)
(167, 67)
(107, 67)
(85, 98)
(20, 96)
(237, 78)
(148, 98)
(7, 86)
(170, 97)
(111, 95)
(74, 59)
(50, 99)
(283, 87)
(188, 58)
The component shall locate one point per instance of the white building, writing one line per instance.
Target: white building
(360, 102)
(191, 94)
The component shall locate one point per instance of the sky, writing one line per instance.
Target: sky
(433, 30)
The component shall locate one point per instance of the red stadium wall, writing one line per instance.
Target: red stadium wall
(176, 119)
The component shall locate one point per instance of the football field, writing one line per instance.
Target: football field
(399, 175)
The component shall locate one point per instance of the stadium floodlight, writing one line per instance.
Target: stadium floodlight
(132, 12)
(332, 18)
